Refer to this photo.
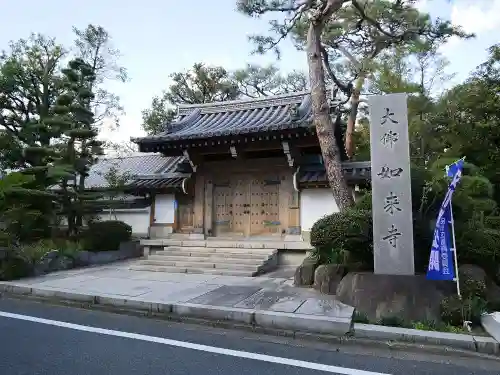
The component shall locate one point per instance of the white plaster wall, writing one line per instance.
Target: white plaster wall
(165, 208)
(137, 218)
(314, 204)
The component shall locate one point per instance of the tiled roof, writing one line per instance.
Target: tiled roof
(159, 183)
(144, 164)
(353, 171)
(236, 117)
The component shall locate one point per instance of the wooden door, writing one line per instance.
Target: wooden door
(240, 205)
(264, 217)
(186, 213)
(272, 206)
(223, 215)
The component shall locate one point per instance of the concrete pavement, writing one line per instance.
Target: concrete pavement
(264, 303)
(55, 340)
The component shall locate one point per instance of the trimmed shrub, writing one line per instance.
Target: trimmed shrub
(348, 232)
(478, 245)
(106, 235)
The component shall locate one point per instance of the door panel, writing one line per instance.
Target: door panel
(240, 208)
(256, 207)
(271, 207)
(186, 213)
(223, 199)
(265, 205)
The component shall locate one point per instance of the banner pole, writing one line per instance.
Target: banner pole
(452, 222)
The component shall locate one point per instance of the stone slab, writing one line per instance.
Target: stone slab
(135, 304)
(177, 292)
(376, 332)
(114, 286)
(487, 345)
(226, 295)
(326, 307)
(60, 294)
(6, 287)
(391, 185)
(491, 324)
(213, 312)
(271, 300)
(303, 323)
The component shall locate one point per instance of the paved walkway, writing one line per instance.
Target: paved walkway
(271, 302)
(256, 293)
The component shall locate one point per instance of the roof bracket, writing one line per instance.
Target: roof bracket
(234, 154)
(288, 153)
(186, 155)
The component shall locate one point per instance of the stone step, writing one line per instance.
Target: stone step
(216, 252)
(246, 244)
(209, 271)
(206, 259)
(201, 265)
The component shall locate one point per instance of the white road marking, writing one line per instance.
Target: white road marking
(188, 345)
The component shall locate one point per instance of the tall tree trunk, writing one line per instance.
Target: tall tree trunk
(322, 120)
(351, 122)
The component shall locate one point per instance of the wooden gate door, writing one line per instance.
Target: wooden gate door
(240, 205)
(265, 213)
(223, 215)
(186, 214)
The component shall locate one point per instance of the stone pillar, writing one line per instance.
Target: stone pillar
(391, 185)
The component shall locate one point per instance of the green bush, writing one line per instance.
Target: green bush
(106, 235)
(14, 267)
(492, 222)
(345, 235)
(34, 252)
(455, 310)
(478, 245)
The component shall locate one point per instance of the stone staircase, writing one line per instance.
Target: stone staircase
(233, 258)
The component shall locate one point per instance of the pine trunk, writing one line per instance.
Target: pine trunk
(323, 122)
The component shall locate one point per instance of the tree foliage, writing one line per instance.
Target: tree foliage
(47, 125)
(205, 84)
(329, 29)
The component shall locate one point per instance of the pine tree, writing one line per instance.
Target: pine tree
(80, 147)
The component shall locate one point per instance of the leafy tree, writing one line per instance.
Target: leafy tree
(116, 183)
(204, 84)
(78, 152)
(29, 84)
(255, 81)
(200, 84)
(467, 118)
(157, 116)
(94, 47)
(329, 29)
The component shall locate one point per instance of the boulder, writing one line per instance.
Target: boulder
(409, 298)
(304, 274)
(473, 280)
(53, 261)
(493, 296)
(327, 277)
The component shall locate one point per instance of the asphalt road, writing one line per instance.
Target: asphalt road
(41, 339)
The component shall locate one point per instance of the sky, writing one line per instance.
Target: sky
(159, 37)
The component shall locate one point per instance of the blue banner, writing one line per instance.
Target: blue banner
(441, 265)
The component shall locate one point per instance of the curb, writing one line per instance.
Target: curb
(339, 330)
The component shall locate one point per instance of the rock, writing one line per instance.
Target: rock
(82, 258)
(493, 296)
(327, 277)
(61, 263)
(53, 261)
(304, 274)
(52, 254)
(409, 298)
(473, 280)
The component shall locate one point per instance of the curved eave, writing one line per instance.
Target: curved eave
(231, 120)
